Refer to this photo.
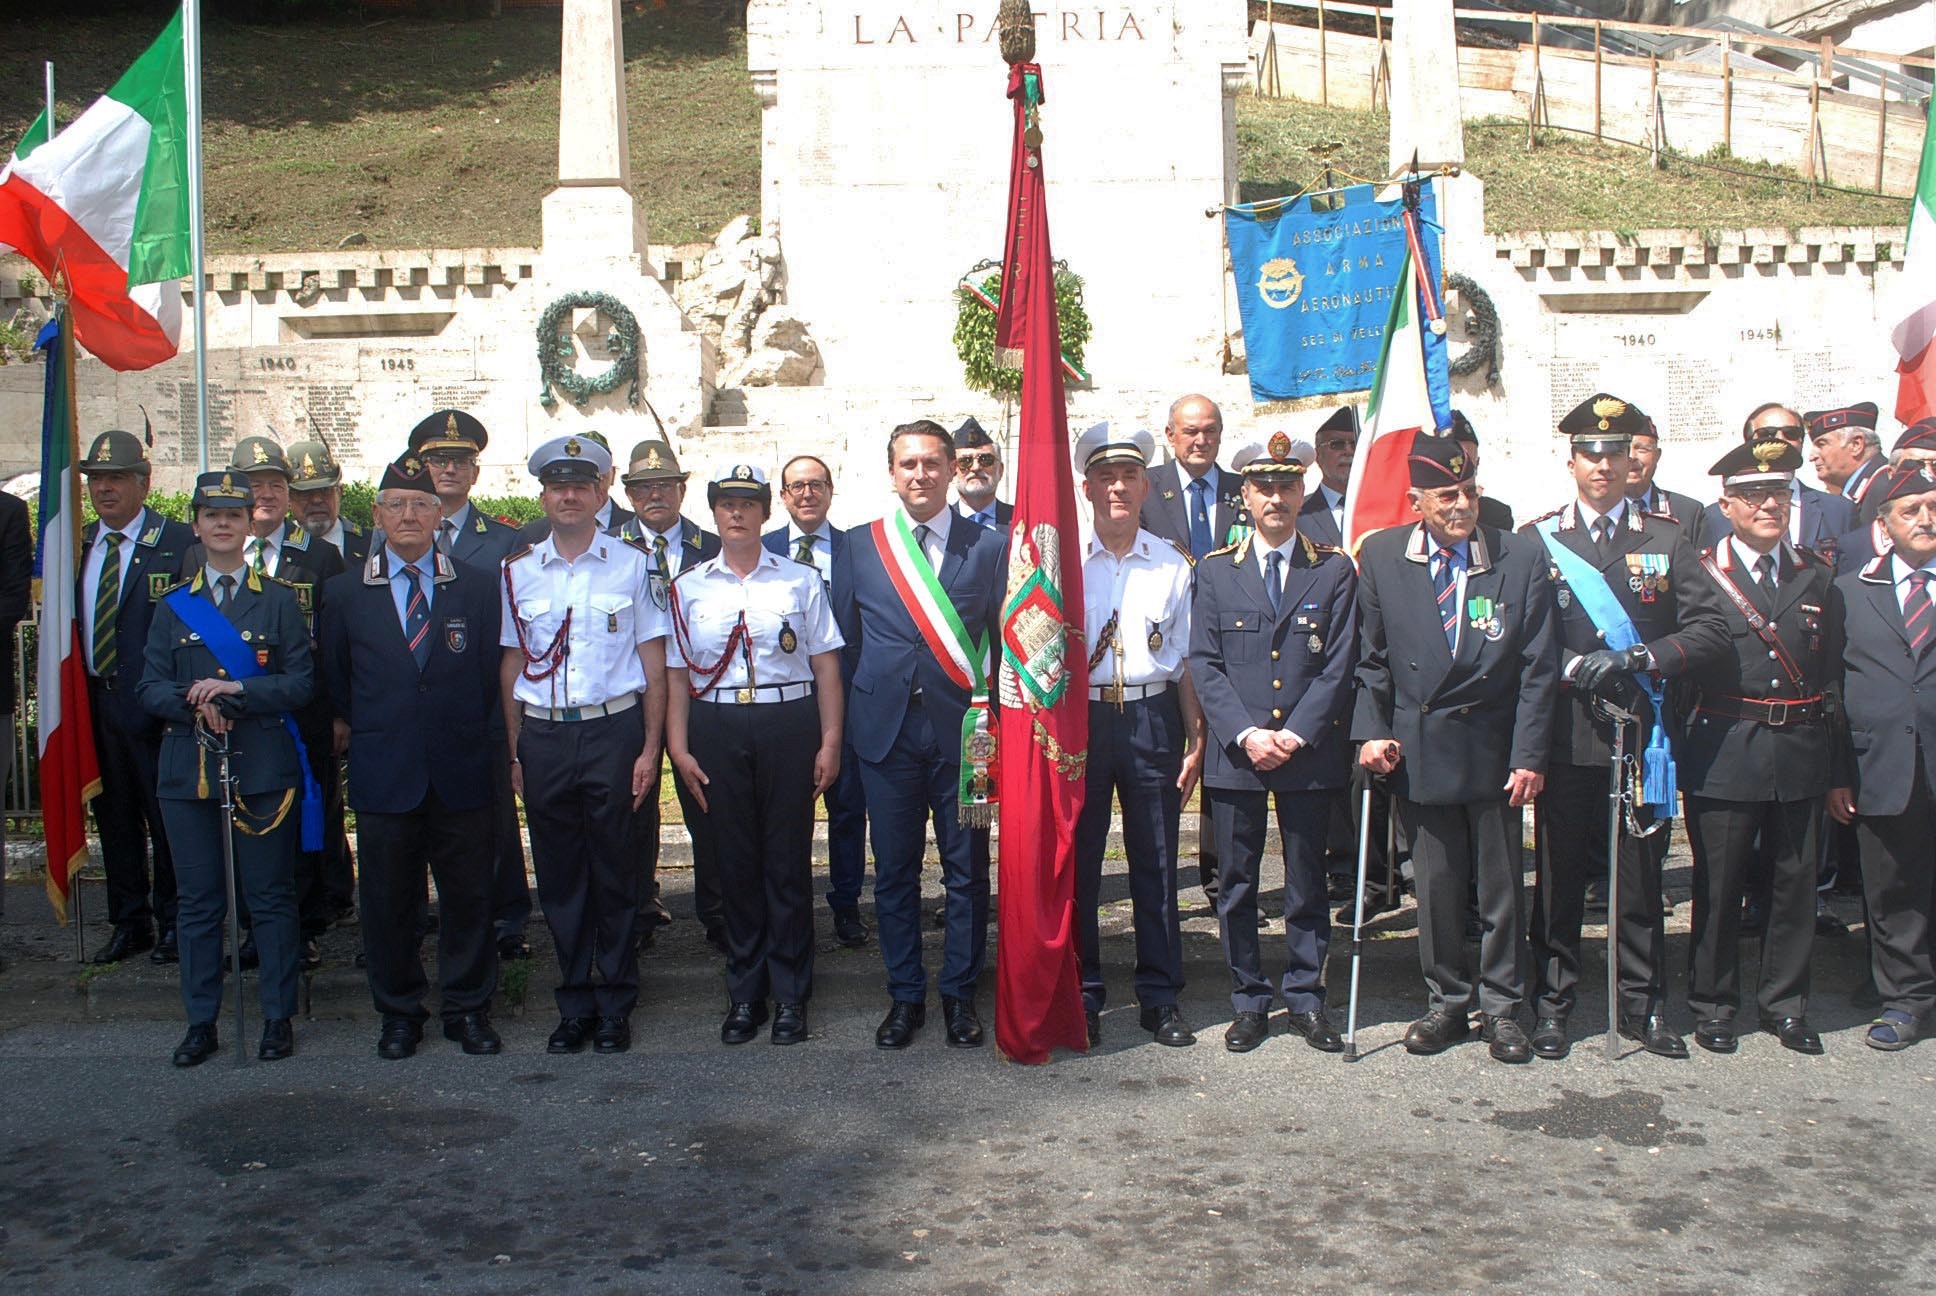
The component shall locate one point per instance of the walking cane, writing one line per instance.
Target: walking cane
(219, 744)
(1358, 922)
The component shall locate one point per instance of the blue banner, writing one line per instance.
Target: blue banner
(1314, 288)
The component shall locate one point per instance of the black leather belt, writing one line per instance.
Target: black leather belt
(1776, 713)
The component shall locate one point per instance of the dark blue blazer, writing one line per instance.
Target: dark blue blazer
(1825, 519)
(886, 657)
(1888, 696)
(413, 730)
(484, 542)
(780, 541)
(1289, 671)
(155, 565)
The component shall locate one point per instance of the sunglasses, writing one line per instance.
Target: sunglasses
(985, 459)
(1338, 443)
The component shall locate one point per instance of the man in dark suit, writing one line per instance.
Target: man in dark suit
(1461, 730)
(1494, 513)
(409, 650)
(1756, 751)
(128, 556)
(1322, 518)
(1857, 549)
(1643, 460)
(16, 601)
(807, 491)
(449, 442)
(911, 690)
(1620, 576)
(978, 472)
(1272, 644)
(1845, 452)
(1816, 518)
(1889, 691)
(316, 501)
(656, 485)
(611, 514)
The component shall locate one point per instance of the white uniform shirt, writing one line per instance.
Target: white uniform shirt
(612, 613)
(780, 599)
(97, 555)
(1148, 591)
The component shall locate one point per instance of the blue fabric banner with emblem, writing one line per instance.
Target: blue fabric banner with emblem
(1314, 288)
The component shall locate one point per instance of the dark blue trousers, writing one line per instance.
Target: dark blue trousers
(846, 803)
(1135, 754)
(265, 883)
(921, 778)
(1241, 820)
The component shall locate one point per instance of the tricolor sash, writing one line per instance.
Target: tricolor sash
(963, 660)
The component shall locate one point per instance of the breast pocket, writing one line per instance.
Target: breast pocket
(612, 614)
(1238, 633)
(539, 617)
(1310, 630)
(267, 650)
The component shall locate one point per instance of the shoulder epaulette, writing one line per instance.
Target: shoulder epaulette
(286, 584)
(1812, 556)
(1542, 517)
(186, 582)
(1182, 549)
(1232, 547)
(514, 556)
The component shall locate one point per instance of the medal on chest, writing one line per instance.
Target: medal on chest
(789, 641)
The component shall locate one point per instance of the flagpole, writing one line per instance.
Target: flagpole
(192, 78)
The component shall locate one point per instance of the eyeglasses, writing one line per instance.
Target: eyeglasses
(813, 486)
(449, 460)
(410, 504)
(986, 459)
(1786, 431)
(1339, 443)
(1760, 496)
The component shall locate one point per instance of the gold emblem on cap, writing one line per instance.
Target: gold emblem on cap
(450, 425)
(227, 484)
(1280, 447)
(309, 468)
(1766, 452)
(573, 449)
(412, 465)
(742, 473)
(1608, 408)
(652, 460)
(1457, 463)
(261, 453)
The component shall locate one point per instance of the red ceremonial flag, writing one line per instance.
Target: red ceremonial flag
(1044, 676)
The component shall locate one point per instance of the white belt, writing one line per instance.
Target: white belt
(1131, 692)
(758, 693)
(592, 712)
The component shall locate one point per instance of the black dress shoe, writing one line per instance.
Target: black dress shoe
(167, 949)
(789, 1023)
(1653, 1034)
(1092, 1025)
(1505, 1041)
(570, 1036)
(743, 1022)
(398, 1039)
(1316, 1028)
(278, 1041)
(849, 930)
(1166, 1026)
(513, 948)
(1716, 1035)
(475, 1032)
(1549, 1038)
(247, 954)
(1246, 1032)
(1794, 1033)
(312, 954)
(964, 1027)
(198, 1046)
(1437, 1031)
(612, 1035)
(125, 942)
(1827, 921)
(1377, 901)
(897, 1028)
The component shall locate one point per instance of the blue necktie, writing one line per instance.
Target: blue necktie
(1444, 581)
(1274, 579)
(416, 618)
(1200, 519)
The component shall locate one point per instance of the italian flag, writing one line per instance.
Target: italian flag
(102, 208)
(1409, 395)
(70, 775)
(1914, 331)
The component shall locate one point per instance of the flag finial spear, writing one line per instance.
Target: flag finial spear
(1018, 32)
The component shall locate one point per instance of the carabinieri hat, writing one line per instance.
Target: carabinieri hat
(573, 457)
(225, 489)
(1920, 435)
(1278, 456)
(740, 481)
(1113, 443)
(1602, 423)
(407, 473)
(1862, 414)
(1437, 461)
(1758, 463)
(315, 467)
(1902, 482)
(451, 432)
(259, 454)
(115, 451)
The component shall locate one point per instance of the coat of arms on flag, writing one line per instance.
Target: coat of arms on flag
(1035, 634)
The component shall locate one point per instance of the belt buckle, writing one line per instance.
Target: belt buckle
(743, 697)
(1785, 704)
(569, 713)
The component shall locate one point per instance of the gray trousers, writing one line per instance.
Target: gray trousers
(1449, 844)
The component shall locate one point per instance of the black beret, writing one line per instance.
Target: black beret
(1437, 461)
(1862, 414)
(971, 433)
(1902, 482)
(407, 473)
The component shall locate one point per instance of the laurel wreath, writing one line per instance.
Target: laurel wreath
(975, 328)
(556, 352)
(1482, 331)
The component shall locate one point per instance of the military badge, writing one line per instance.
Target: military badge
(1565, 597)
(305, 595)
(657, 585)
(1483, 616)
(1169, 494)
(789, 641)
(158, 584)
(477, 524)
(150, 536)
(261, 453)
(573, 449)
(262, 657)
(1316, 643)
(611, 623)
(1155, 640)
(1279, 447)
(457, 633)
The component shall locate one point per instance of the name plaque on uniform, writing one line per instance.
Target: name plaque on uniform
(1314, 288)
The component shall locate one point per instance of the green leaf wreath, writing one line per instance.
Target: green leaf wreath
(556, 352)
(975, 329)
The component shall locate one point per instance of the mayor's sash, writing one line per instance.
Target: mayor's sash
(962, 659)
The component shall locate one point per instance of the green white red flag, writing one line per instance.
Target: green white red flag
(102, 209)
(1913, 321)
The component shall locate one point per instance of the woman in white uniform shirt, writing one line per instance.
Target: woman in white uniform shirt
(753, 724)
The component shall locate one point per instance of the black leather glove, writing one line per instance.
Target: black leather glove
(1596, 668)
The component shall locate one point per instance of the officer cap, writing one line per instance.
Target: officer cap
(1903, 481)
(1277, 456)
(1343, 419)
(259, 454)
(451, 432)
(115, 451)
(1758, 463)
(1920, 435)
(971, 434)
(1862, 414)
(1113, 443)
(315, 468)
(1437, 461)
(652, 461)
(740, 481)
(1602, 423)
(406, 473)
(572, 457)
(1461, 428)
(224, 489)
